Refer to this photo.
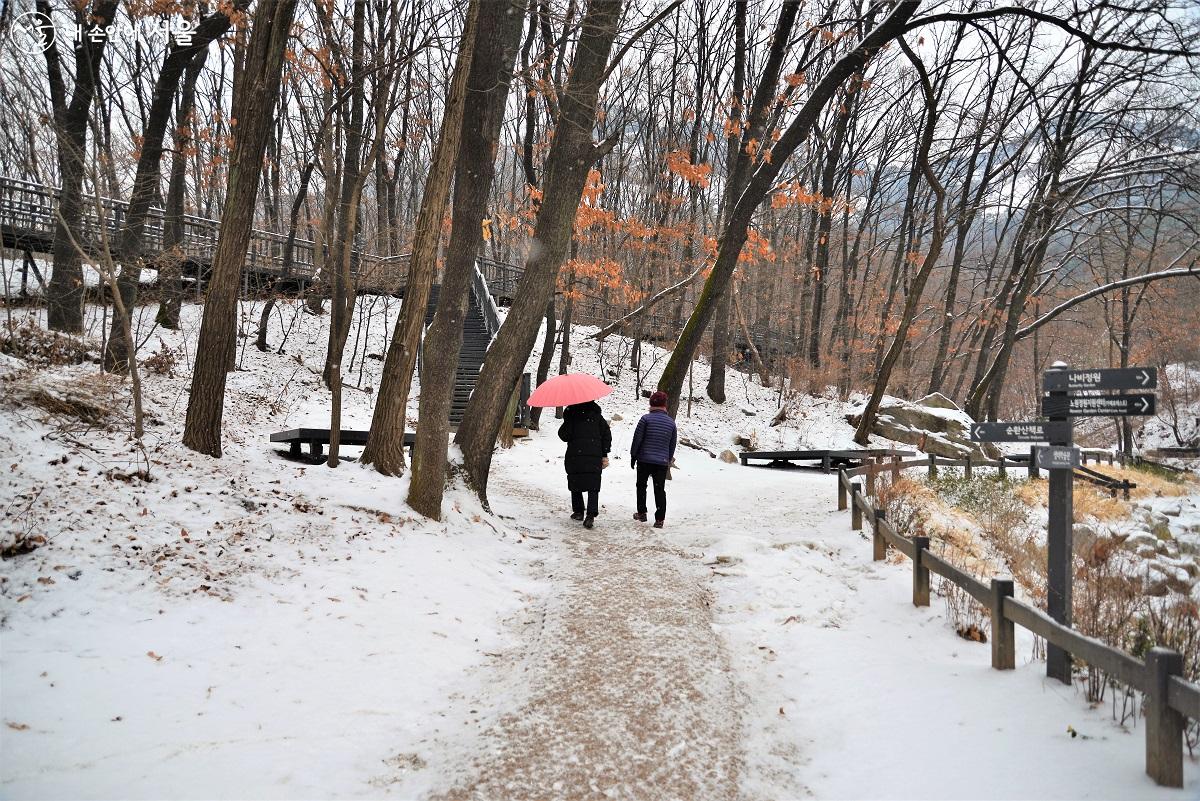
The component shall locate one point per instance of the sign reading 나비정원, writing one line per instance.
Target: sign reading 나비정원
(1119, 378)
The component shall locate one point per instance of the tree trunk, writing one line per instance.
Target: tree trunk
(146, 181)
(385, 442)
(353, 175)
(171, 262)
(547, 356)
(863, 432)
(253, 106)
(721, 345)
(483, 113)
(825, 226)
(762, 182)
(64, 293)
(572, 154)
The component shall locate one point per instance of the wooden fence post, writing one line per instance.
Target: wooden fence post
(1033, 468)
(879, 550)
(1082, 456)
(1003, 470)
(967, 468)
(895, 469)
(855, 508)
(1004, 646)
(932, 466)
(1121, 459)
(870, 478)
(1164, 726)
(841, 490)
(920, 572)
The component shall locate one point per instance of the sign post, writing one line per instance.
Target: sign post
(1059, 544)
(1060, 459)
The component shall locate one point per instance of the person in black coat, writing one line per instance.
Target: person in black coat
(588, 439)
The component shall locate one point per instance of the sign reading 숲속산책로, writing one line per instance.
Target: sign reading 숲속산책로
(1119, 378)
(1033, 431)
(1098, 405)
(1058, 457)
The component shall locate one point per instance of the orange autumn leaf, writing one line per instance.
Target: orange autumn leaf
(695, 174)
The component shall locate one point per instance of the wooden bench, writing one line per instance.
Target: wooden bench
(827, 460)
(318, 438)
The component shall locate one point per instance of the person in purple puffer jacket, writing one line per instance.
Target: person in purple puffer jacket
(652, 453)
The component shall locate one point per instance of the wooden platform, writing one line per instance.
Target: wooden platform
(825, 460)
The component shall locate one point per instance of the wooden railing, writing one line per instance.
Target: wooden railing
(1169, 699)
(28, 213)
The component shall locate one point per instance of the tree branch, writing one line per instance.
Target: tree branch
(1194, 270)
(620, 54)
(1041, 16)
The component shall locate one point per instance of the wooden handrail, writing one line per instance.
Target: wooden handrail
(968, 583)
(1127, 669)
(1158, 677)
(1184, 697)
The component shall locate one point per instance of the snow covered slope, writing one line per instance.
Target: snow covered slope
(257, 627)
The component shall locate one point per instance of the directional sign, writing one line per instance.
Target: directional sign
(1021, 432)
(1121, 378)
(1058, 457)
(1098, 406)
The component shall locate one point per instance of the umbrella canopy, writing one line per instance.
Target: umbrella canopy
(565, 390)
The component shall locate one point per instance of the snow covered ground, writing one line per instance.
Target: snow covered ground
(254, 627)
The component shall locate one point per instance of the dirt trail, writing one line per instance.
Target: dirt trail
(629, 692)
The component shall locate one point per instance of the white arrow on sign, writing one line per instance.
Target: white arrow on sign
(978, 431)
(1145, 404)
(1144, 379)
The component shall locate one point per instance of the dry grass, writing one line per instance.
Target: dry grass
(916, 509)
(91, 400)
(1090, 501)
(1149, 484)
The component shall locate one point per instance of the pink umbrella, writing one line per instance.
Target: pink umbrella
(564, 390)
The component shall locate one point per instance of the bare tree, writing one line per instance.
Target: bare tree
(483, 113)
(253, 104)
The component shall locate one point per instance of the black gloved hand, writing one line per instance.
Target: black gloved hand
(633, 464)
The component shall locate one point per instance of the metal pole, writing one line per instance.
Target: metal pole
(1059, 551)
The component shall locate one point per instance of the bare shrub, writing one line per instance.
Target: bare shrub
(92, 400)
(19, 535)
(906, 503)
(163, 360)
(969, 619)
(35, 345)
(1106, 604)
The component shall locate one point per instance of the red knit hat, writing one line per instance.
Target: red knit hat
(659, 398)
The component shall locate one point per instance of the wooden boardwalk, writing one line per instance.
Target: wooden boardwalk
(28, 213)
(28, 217)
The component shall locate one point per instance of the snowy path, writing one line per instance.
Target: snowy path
(630, 691)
